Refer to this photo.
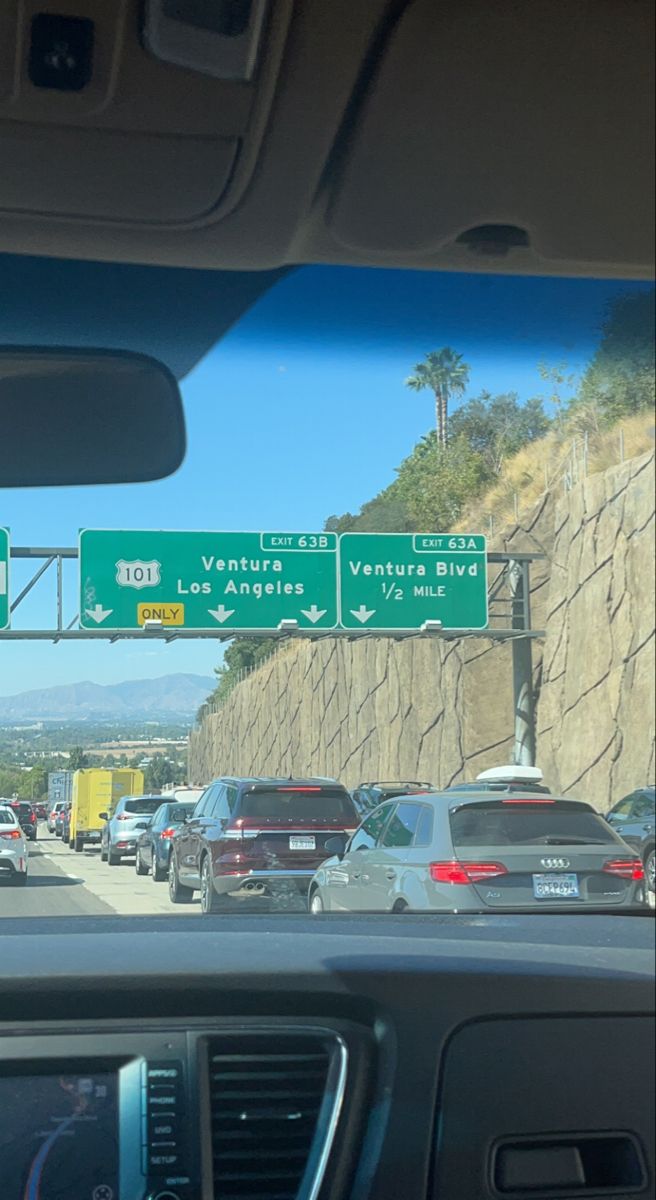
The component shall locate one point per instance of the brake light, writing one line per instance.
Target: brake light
(127, 816)
(465, 872)
(298, 789)
(168, 833)
(626, 868)
(10, 833)
(524, 800)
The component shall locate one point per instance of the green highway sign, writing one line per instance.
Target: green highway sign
(403, 580)
(5, 612)
(205, 580)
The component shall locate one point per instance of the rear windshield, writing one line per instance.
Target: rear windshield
(22, 809)
(324, 805)
(142, 804)
(499, 824)
(7, 818)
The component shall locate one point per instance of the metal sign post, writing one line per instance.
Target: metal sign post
(4, 578)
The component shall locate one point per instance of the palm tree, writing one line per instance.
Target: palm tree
(446, 374)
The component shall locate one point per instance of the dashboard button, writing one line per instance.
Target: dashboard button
(163, 1161)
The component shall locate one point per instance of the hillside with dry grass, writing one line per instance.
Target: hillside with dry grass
(554, 463)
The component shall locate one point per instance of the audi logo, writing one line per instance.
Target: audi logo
(555, 864)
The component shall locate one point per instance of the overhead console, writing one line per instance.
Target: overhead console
(96, 121)
(512, 137)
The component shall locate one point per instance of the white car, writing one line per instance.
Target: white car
(183, 793)
(13, 848)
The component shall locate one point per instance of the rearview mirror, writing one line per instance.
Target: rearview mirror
(335, 846)
(71, 416)
(142, 824)
(103, 816)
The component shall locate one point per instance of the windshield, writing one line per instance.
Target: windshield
(411, 542)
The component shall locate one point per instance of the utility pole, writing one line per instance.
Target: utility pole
(522, 668)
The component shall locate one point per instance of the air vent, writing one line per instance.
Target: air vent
(275, 1099)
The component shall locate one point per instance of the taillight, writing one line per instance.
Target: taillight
(168, 833)
(465, 872)
(10, 833)
(626, 868)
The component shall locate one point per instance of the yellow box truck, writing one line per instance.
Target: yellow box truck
(96, 791)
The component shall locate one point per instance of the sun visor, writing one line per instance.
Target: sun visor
(518, 129)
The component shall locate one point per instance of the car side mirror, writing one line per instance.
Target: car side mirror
(142, 824)
(103, 816)
(336, 846)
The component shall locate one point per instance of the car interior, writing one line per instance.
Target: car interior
(174, 158)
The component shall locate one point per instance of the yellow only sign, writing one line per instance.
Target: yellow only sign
(168, 614)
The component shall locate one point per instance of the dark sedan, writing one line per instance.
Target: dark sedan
(634, 818)
(154, 844)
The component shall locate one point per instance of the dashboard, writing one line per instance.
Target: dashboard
(448, 1057)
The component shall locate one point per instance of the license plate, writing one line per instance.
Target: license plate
(93, 837)
(302, 843)
(556, 887)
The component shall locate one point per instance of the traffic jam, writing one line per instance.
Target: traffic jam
(238, 845)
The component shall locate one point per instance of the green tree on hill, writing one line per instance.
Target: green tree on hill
(78, 759)
(435, 482)
(620, 377)
(445, 374)
(496, 427)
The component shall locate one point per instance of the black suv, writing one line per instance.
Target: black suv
(26, 817)
(634, 819)
(257, 840)
(369, 795)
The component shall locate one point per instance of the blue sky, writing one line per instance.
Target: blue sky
(298, 413)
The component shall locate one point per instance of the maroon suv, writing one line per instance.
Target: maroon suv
(257, 840)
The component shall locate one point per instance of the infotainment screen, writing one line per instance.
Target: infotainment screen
(59, 1137)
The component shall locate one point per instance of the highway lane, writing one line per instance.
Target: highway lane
(62, 883)
(50, 892)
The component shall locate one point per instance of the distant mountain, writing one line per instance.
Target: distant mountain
(169, 696)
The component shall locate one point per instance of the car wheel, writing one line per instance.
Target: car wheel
(158, 872)
(316, 903)
(209, 901)
(103, 853)
(650, 870)
(178, 893)
(78, 845)
(112, 859)
(139, 865)
(71, 843)
(20, 879)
